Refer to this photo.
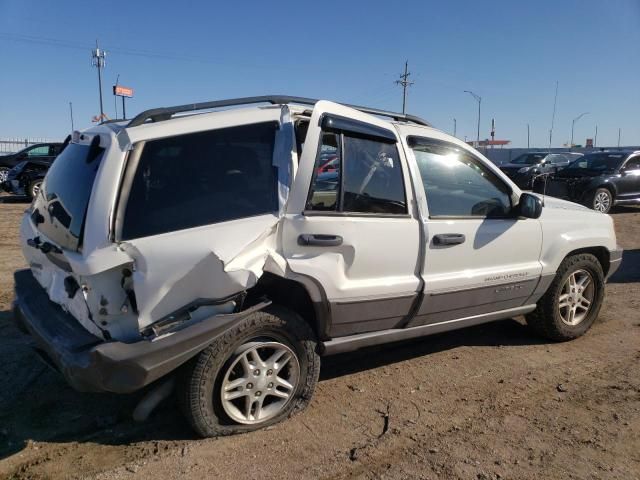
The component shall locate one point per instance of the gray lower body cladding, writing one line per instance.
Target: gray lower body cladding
(91, 364)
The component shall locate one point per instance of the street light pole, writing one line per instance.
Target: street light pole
(573, 124)
(455, 127)
(478, 99)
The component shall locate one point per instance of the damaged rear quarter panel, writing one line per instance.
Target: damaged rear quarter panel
(210, 262)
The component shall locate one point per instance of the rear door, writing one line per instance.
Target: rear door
(353, 229)
(479, 259)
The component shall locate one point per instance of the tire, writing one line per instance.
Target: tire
(34, 188)
(200, 383)
(602, 200)
(554, 321)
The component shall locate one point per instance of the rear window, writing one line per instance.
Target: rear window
(202, 178)
(64, 196)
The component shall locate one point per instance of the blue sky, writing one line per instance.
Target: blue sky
(509, 52)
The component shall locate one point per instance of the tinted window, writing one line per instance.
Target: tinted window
(202, 178)
(456, 184)
(529, 158)
(65, 194)
(41, 151)
(633, 164)
(599, 162)
(367, 180)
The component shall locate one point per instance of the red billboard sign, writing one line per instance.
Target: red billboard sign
(121, 91)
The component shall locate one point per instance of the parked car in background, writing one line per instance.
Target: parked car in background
(44, 152)
(26, 177)
(597, 180)
(524, 168)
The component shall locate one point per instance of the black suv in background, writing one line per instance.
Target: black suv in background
(524, 168)
(22, 173)
(597, 180)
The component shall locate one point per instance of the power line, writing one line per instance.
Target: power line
(405, 83)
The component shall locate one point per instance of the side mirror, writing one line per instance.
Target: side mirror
(529, 206)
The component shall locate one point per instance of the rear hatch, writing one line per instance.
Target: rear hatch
(60, 208)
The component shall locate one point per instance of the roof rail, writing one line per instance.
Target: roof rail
(160, 114)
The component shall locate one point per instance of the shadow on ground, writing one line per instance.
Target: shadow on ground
(45, 409)
(14, 199)
(629, 270)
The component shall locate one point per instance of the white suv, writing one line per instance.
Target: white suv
(227, 250)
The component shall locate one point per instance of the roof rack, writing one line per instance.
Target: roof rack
(160, 114)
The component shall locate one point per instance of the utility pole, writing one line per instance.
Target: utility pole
(478, 99)
(595, 138)
(455, 127)
(405, 83)
(97, 60)
(573, 124)
(493, 132)
(71, 113)
(619, 135)
(528, 136)
(553, 117)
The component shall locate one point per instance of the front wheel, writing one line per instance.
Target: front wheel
(602, 200)
(259, 373)
(572, 303)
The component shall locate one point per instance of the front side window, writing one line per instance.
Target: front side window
(632, 164)
(458, 185)
(202, 178)
(41, 151)
(357, 174)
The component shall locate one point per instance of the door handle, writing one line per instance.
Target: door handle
(448, 239)
(319, 240)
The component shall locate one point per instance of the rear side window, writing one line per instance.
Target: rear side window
(358, 175)
(202, 178)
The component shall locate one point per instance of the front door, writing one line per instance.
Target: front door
(479, 258)
(351, 227)
(629, 183)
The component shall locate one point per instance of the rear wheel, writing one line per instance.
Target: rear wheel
(572, 302)
(259, 373)
(602, 200)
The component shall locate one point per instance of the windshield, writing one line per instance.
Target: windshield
(529, 158)
(62, 202)
(599, 162)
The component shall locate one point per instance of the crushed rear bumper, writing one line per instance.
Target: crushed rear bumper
(92, 364)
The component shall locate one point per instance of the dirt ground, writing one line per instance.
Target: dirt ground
(482, 403)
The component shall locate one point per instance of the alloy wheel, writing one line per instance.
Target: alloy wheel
(4, 174)
(576, 298)
(602, 202)
(259, 382)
